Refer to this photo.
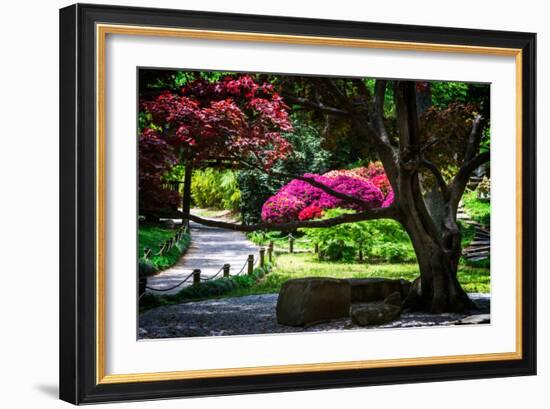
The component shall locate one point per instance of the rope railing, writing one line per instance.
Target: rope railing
(241, 270)
(212, 277)
(167, 244)
(251, 262)
(173, 287)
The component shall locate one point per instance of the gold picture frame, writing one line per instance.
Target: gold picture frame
(98, 22)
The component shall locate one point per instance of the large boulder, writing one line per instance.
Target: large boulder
(309, 300)
(373, 313)
(394, 299)
(376, 289)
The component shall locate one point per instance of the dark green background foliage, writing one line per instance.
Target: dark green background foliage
(308, 156)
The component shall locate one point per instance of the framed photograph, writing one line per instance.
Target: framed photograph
(257, 203)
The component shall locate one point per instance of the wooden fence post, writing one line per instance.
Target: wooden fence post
(250, 261)
(290, 244)
(196, 276)
(146, 252)
(270, 251)
(226, 268)
(262, 257)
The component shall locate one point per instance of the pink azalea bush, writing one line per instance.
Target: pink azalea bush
(310, 212)
(356, 187)
(299, 200)
(281, 208)
(388, 200)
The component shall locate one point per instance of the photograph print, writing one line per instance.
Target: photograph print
(279, 203)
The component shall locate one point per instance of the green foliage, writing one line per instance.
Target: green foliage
(307, 156)
(152, 236)
(468, 232)
(478, 210)
(174, 80)
(176, 173)
(280, 240)
(215, 189)
(215, 288)
(389, 103)
(256, 187)
(443, 92)
(380, 240)
(300, 265)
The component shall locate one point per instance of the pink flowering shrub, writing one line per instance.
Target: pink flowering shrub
(359, 188)
(353, 173)
(382, 182)
(299, 200)
(373, 169)
(310, 212)
(388, 200)
(281, 208)
(374, 173)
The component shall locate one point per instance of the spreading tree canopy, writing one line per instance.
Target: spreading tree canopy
(428, 150)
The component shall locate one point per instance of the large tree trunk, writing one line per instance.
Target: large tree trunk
(433, 229)
(438, 252)
(186, 200)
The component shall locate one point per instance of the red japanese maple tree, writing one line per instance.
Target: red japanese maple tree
(235, 119)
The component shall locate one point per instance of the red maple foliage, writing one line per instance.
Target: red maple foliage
(234, 118)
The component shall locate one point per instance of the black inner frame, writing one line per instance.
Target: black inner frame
(78, 198)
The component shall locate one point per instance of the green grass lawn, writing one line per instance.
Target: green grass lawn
(298, 265)
(152, 236)
(289, 266)
(478, 210)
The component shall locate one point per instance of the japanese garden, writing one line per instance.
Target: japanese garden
(284, 203)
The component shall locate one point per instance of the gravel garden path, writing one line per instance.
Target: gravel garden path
(255, 314)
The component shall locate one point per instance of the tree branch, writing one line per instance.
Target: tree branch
(338, 93)
(380, 213)
(438, 176)
(474, 139)
(347, 198)
(474, 163)
(407, 116)
(377, 113)
(458, 185)
(316, 105)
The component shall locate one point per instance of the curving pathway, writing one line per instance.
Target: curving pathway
(211, 248)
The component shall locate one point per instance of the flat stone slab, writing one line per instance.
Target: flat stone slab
(255, 314)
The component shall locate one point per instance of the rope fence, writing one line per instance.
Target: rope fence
(167, 244)
(173, 287)
(292, 240)
(250, 263)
